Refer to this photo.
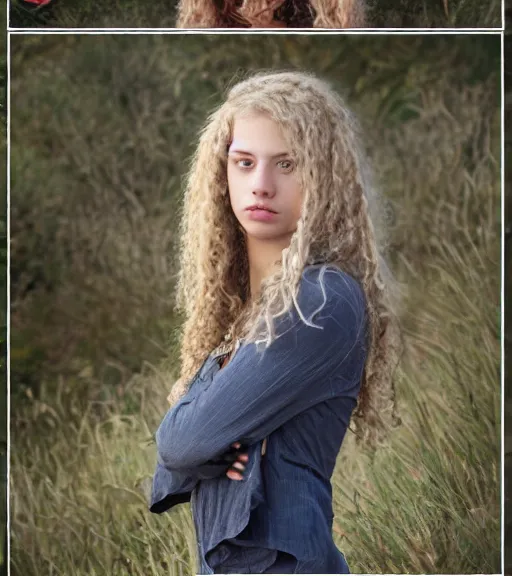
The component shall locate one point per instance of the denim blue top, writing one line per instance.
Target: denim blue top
(300, 392)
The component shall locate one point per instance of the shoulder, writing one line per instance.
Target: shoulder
(328, 304)
(327, 285)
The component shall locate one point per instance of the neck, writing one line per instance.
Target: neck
(262, 257)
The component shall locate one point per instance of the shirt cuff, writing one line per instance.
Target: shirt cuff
(169, 489)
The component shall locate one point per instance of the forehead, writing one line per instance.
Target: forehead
(258, 133)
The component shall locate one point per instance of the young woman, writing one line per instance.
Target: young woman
(271, 14)
(288, 329)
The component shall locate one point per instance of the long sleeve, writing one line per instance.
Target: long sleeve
(172, 487)
(257, 392)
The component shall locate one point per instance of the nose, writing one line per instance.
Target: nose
(263, 184)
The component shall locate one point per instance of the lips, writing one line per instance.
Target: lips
(261, 207)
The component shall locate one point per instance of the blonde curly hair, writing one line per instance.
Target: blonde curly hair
(335, 228)
(294, 13)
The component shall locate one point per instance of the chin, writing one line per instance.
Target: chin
(266, 232)
(262, 234)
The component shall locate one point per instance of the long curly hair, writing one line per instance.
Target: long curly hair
(292, 13)
(335, 228)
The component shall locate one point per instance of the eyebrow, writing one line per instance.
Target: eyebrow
(251, 154)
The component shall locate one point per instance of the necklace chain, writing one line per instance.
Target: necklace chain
(227, 345)
(229, 342)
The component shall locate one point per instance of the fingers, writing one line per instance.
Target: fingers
(236, 451)
(230, 457)
(237, 469)
(239, 459)
(238, 466)
(232, 475)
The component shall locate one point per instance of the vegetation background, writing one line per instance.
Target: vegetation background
(162, 13)
(102, 130)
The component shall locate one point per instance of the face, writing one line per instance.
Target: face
(262, 173)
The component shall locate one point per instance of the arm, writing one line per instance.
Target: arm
(256, 393)
(169, 489)
(172, 487)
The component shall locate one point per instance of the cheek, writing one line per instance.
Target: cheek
(230, 180)
(298, 211)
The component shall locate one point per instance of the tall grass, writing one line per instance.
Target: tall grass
(101, 132)
(429, 503)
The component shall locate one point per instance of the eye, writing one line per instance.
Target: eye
(286, 165)
(244, 163)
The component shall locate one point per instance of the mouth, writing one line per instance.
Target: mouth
(260, 207)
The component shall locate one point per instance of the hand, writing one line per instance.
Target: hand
(240, 460)
(238, 464)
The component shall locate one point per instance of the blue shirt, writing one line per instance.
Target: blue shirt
(300, 392)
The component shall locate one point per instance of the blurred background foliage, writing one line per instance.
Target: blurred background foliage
(162, 14)
(102, 130)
